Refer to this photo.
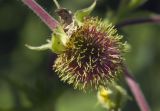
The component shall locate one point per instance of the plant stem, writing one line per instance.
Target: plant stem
(57, 4)
(152, 19)
(39, 11)
(135, 89)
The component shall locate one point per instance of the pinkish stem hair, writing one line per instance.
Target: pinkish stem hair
(40, 12)
(135, 89)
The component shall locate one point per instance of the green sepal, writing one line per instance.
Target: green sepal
(40, 48)
(59, 40)
(80, 14)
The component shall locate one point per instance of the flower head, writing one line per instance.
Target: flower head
(92, 56)
(89, 50)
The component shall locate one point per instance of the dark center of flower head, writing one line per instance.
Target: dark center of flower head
(92, 56)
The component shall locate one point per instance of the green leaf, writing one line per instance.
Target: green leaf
(125, 7)
(136, 3)
(80, 14)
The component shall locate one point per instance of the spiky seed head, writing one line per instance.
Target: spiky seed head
(89, 52)
(92, 56)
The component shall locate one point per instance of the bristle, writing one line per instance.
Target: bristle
(92, 56)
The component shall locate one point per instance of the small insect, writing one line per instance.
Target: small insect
(67, 20)
(65, 15)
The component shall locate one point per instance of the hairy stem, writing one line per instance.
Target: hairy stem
(135, 89)
(40, 12)
(152, 19)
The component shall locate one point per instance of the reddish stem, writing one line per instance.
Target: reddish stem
(134, 87)
(40, 12)
(152, 19)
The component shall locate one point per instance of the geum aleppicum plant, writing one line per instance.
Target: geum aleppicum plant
(90, 54)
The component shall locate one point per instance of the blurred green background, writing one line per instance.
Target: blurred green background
(27, 81)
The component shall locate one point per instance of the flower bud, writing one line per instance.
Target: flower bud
(112, 98)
